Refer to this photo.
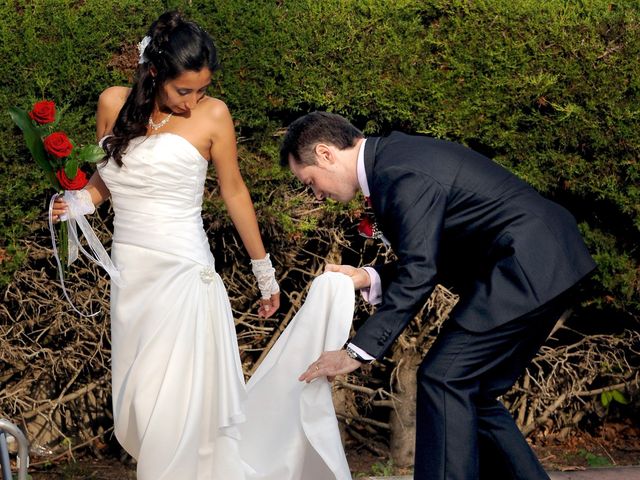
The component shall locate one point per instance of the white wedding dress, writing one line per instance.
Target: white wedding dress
(181, 407)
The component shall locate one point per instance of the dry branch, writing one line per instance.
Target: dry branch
(55, 376)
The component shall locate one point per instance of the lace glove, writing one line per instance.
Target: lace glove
(79, 203)
(266, 276)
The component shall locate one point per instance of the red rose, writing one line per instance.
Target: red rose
(58, 145)
(366, 228)
(78, 182)
(43, 112)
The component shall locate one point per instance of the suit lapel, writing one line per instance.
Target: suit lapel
(377, 196)
(370, 148)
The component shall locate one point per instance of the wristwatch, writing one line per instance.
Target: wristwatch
(355, 355)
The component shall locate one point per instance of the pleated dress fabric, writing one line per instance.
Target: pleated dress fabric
(181, 406)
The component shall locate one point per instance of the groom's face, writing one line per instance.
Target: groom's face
(326, 179)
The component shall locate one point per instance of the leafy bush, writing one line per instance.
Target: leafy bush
(65, 51)
(549, 90)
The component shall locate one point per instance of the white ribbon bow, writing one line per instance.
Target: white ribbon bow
(98, 255)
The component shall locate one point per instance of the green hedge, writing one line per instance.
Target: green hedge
(549, 89)
(64, 51)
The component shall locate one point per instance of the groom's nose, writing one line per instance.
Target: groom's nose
(318, 194)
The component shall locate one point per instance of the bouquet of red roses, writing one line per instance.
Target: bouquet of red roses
(52, 150)
(60, 159)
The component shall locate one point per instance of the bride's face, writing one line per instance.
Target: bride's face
(180, 95)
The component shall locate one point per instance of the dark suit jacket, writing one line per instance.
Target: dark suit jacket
(455, 217)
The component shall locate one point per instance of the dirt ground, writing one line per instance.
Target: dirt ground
(612, 444)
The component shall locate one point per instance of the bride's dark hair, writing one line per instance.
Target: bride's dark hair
(176, 46)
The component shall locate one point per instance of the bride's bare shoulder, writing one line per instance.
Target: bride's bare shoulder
(215, 114)
(214, 107)
(113, 98)
(110, 103)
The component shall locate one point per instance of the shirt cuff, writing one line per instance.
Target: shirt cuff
(361, 352)
(373, 294)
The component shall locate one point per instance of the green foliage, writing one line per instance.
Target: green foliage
(549, 89)
(23, 199)
(379, 469)
(64, 51)
(529, 84)
(610, 396)
(594, 460)
(617, 272)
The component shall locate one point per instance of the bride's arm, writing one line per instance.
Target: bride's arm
(109, 104)
(97, 190)
(233, 190)
(235, 193)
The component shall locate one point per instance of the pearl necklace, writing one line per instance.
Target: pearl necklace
(155, 126)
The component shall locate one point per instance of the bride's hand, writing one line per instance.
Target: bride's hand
(269, 306)
(59, 208)
(359, 276)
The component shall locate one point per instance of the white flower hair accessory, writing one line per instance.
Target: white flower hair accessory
(142, 45)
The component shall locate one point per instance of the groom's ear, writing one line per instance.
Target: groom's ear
(324, 153)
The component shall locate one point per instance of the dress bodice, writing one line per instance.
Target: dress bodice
(157, 196)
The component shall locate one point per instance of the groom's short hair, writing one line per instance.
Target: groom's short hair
(316, 127)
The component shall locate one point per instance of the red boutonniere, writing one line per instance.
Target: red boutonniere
(368, 227)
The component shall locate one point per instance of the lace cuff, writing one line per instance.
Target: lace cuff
(266, 276)
(79, 203)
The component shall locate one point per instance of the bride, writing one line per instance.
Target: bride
(181, 407)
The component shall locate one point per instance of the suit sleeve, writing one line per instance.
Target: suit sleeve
(415, 211)
(386, 271)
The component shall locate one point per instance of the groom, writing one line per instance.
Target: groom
(452, 216)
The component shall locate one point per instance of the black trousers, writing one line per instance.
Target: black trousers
(462, 431)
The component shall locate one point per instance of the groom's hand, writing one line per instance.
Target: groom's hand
(329, 365)
(359, 276)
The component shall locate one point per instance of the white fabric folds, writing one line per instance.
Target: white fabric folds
(180, 403)
(291, 430)
(178, 424)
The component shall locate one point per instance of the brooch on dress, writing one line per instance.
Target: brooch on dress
(207, 274)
